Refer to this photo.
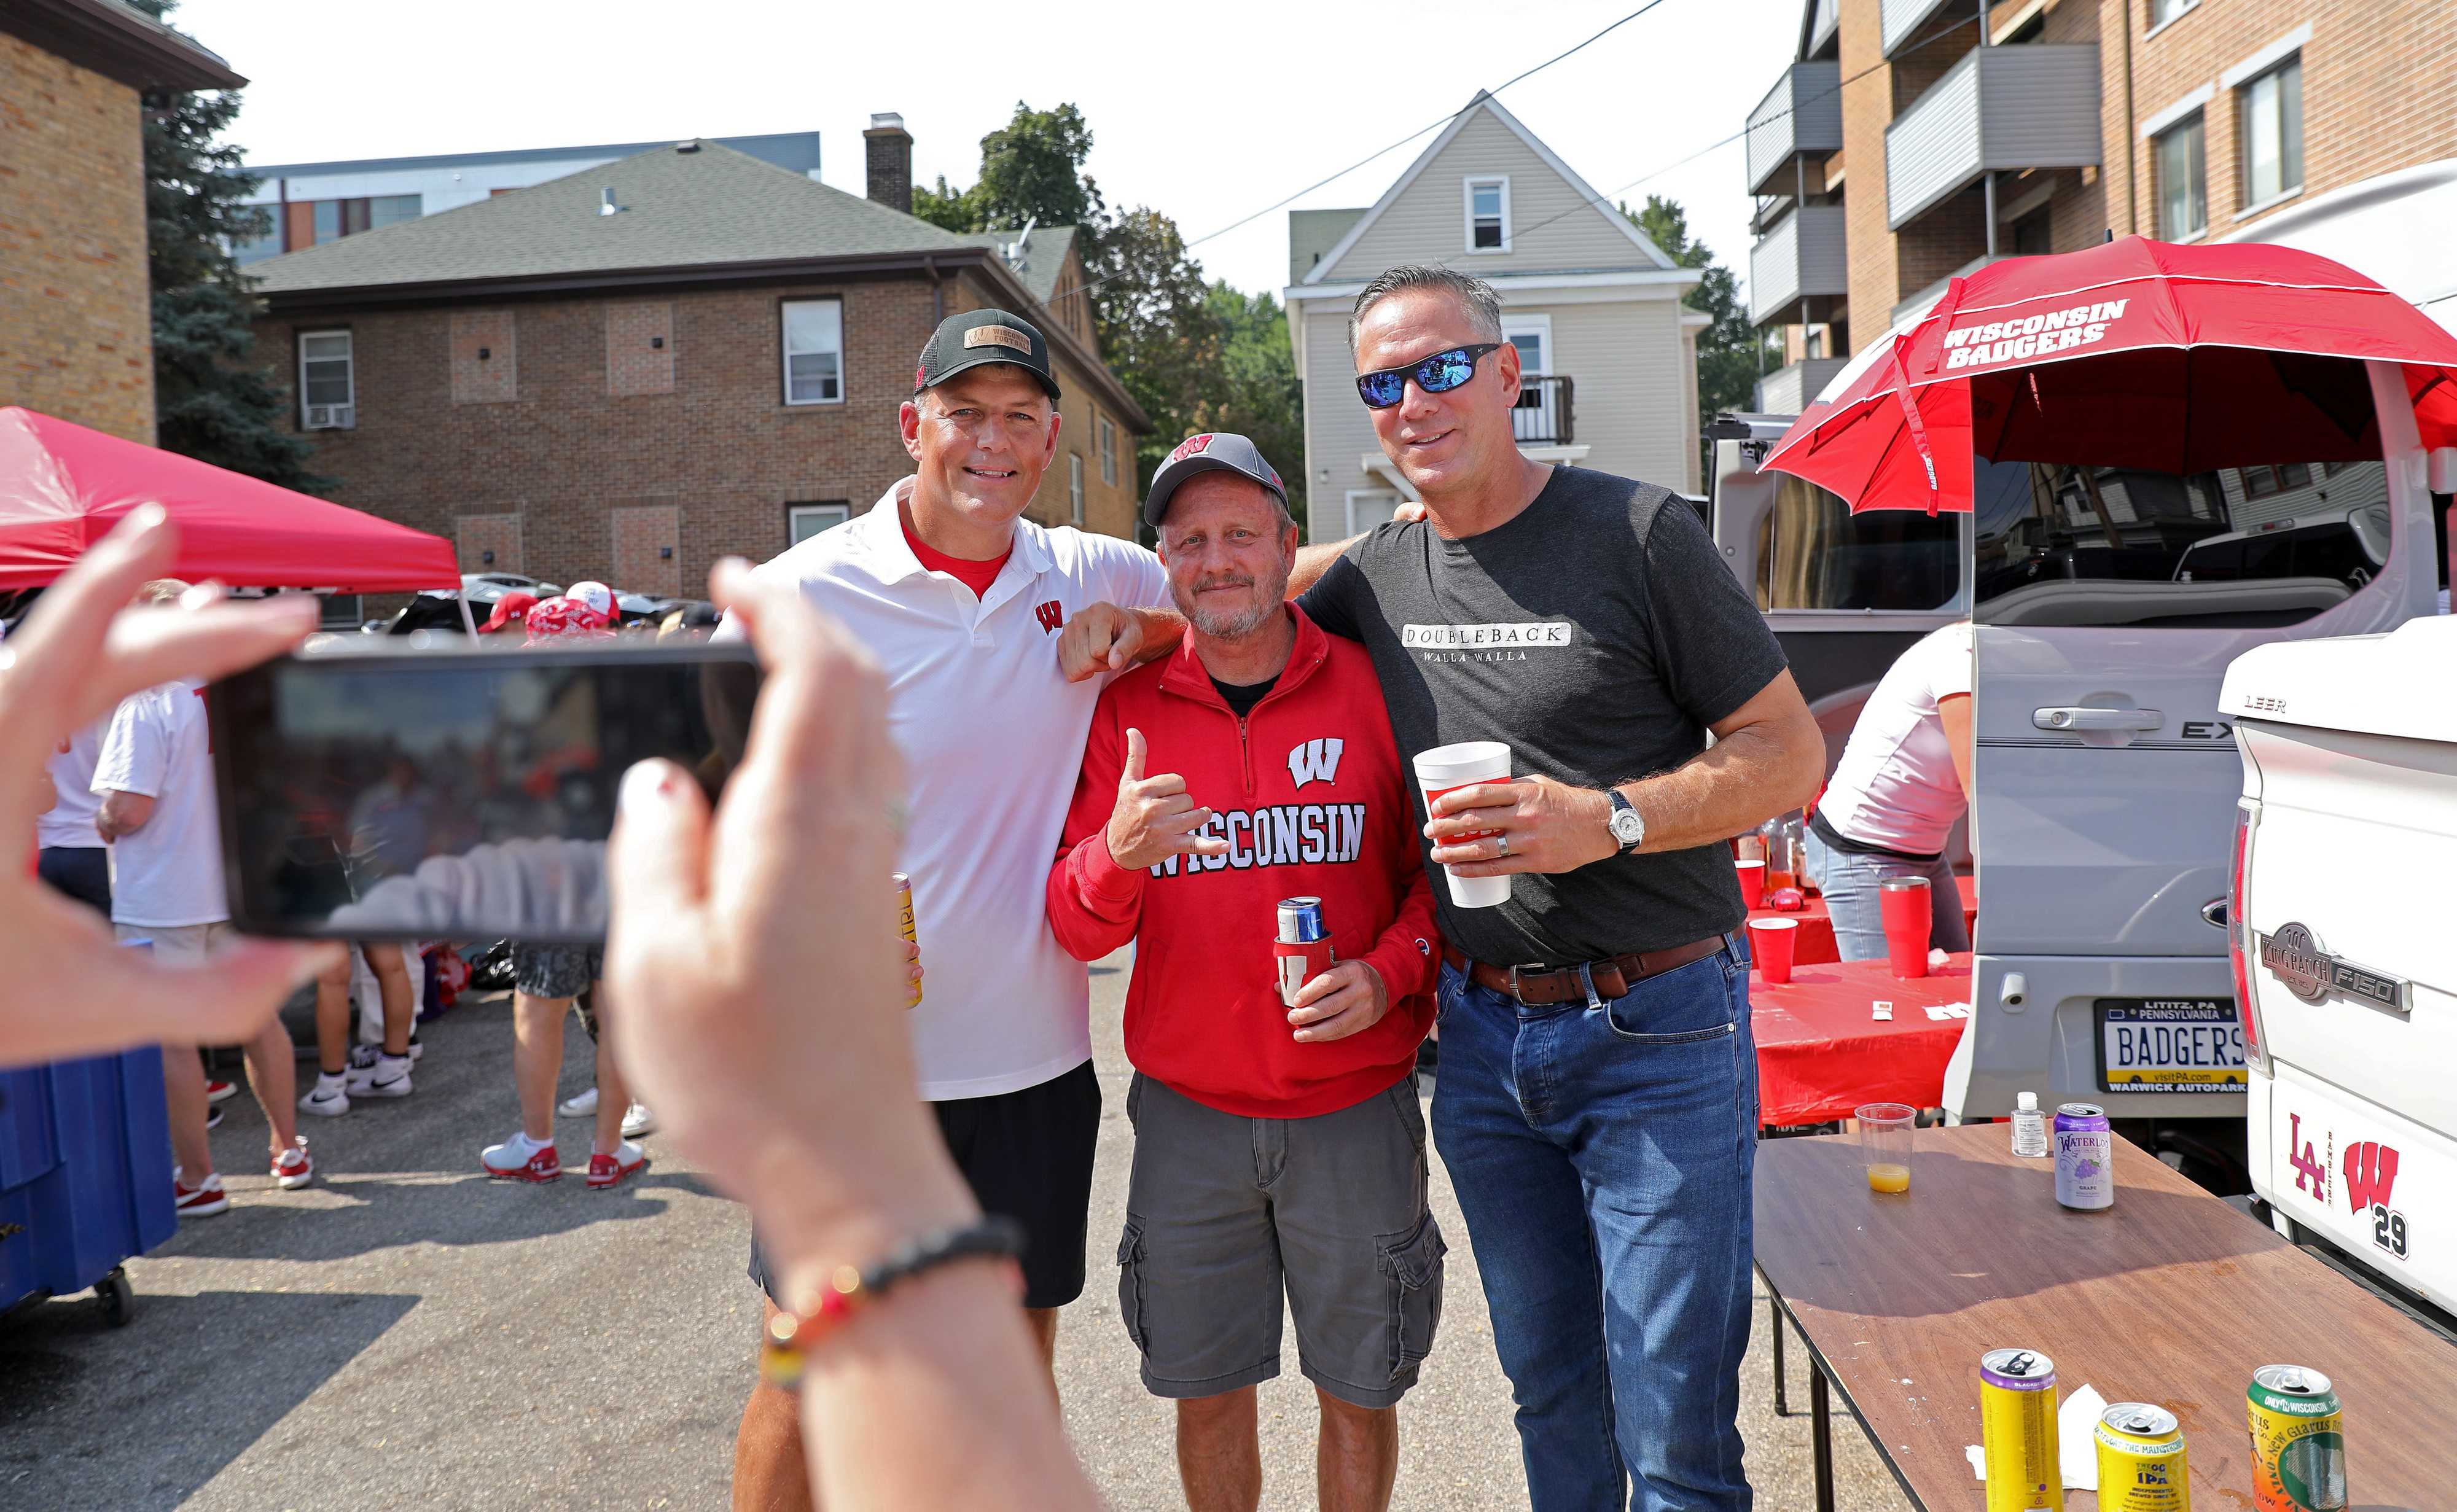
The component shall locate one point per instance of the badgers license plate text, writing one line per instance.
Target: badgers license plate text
(2169, 1044)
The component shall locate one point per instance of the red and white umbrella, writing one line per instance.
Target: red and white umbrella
(2135, 354)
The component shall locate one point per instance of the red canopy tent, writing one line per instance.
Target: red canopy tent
(63, 487)
(2133, 354)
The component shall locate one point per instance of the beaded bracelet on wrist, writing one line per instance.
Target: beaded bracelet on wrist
(850, 1290)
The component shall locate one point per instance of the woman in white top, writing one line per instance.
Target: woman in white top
(1904, 779)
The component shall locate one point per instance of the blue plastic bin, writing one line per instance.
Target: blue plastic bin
(85, 1175)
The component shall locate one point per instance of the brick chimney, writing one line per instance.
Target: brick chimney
(890, 150)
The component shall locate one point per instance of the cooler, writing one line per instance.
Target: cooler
(85, 1176)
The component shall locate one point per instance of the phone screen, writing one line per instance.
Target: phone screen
(454, 795)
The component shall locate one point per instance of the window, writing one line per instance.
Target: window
(328, 386)
(1488, 214)
(802, 522)
(1108, 451)
(2162, 12)
(336, 218)
(814, 350)
(341, 611)
(1533, 335)
(1813, 553)
(2183, 199)
(1075, 488)
(2262, 482)
(2269, 124)
(386, 210)
(1812, 343)
(1369, 507)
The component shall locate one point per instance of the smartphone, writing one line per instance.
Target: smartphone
(372, 790)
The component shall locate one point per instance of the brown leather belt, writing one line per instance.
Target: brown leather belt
(1541, 986)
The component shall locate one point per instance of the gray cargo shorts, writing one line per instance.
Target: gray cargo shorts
(1224, 1212)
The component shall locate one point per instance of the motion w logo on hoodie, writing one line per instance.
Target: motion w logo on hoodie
(1316, 760)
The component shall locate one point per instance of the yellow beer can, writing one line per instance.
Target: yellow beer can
(2142, 1460)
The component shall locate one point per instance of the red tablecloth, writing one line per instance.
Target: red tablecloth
(1819, 1054)
(1813, 944)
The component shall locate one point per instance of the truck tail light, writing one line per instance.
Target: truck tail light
(2241, 942)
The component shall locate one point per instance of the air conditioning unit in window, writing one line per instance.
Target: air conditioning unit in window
(332, 416)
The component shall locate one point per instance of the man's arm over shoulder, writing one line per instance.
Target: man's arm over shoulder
(1094, 903)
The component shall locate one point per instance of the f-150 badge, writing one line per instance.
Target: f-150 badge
(2295, 957)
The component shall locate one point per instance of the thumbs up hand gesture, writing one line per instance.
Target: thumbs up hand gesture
(1155, 817)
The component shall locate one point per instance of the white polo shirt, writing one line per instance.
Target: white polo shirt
(992, 736)
(1895, 786)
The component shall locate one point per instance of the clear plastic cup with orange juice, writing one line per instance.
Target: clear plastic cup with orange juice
(1886, 1143)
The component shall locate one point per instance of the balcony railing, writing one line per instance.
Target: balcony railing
(1542, 416)
(1798, 268)
(2032, 106)
(1788, 391)
(1898, 21)
(1802, 113)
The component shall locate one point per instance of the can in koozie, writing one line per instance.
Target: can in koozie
(2085, 1156)
(2299, 1445)
(2140, 1459)
(2017, 1428)
(904, 926)
(1301, 951)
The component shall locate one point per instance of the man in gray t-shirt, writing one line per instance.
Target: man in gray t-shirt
(1596, 1105)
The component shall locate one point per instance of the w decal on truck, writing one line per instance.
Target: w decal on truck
(1316, 760)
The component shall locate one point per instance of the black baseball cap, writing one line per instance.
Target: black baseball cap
(1210, 452)
(977, 336)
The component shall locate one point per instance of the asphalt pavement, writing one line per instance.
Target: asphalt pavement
(406, 1334)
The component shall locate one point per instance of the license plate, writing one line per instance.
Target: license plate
(2169, 1044)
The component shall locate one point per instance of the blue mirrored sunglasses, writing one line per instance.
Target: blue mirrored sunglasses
(1438, 374)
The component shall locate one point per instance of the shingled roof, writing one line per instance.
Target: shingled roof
(1044, 253)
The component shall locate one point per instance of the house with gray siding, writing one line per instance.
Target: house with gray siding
(1594, 307)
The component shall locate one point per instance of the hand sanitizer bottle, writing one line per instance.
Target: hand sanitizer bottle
(2029, 1129)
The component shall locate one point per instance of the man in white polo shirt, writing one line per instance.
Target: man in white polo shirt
(963, 599)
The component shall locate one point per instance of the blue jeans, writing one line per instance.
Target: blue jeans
(1601, 1152)
(1850, 882)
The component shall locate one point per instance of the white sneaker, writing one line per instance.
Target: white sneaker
(374, 1073)
(638, 1121)
(580, 1107)
(329, 1098)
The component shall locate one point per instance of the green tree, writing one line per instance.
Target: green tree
(210, 401)
(1152, 312)
(1032, 170)
(1256, 391)
(1729, 350)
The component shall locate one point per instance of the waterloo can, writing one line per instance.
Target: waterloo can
(904, 926)
(2140, 1459)
(2299, 1445)
(2018, 1427)
(1301, 948)
(2085, 1156)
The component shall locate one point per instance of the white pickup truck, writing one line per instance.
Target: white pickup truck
(2346, 851)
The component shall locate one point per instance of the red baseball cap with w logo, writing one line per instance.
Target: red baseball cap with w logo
(1209, 452)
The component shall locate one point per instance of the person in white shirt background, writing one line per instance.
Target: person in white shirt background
(155, 777)
(1904, 779)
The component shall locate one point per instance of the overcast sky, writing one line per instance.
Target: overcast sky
(1206, 113)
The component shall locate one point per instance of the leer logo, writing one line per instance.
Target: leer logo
(1316, 760)
(1049, 614)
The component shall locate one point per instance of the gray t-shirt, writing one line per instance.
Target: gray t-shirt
(1598, 634)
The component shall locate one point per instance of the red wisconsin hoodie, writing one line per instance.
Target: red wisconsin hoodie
(1310, 793)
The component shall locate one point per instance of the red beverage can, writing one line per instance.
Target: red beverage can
(1301, 949)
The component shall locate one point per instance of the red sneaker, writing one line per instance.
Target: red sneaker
(608, 1169)
(516, 1159)
(202, 1201)
(291, 1168)
(219, 1090)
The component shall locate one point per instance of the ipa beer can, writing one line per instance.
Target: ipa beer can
(2018, 1427)
(1301, 948)
(2085, 1156)
(904, 926)
(2298, 1446)
(2140, 1459)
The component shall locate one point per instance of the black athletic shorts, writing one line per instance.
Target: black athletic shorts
(1027, 1155)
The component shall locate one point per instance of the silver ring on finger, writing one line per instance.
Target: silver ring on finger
(1501, 844)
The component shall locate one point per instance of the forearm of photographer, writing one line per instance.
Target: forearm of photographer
(1767, 757)
(760, 991)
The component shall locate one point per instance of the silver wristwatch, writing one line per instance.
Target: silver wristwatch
(1628, 830)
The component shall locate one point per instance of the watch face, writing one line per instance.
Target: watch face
(1626, 825)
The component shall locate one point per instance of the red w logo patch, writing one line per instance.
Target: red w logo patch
(1189, 446)
(2371, 1172)
(1049, 614)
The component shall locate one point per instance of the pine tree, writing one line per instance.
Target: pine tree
(210, 400)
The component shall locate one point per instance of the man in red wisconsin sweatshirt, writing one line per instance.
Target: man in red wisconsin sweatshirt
(1277, 1147)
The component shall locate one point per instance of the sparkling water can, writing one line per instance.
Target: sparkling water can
(2140, 1459)
(2018, 1427)
(2299, 1444)
(2085, 1156)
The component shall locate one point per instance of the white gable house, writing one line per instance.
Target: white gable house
(1609, 351)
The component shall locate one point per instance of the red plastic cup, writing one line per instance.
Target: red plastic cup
(1771, 942)
(1752, 875)
(1903, 903)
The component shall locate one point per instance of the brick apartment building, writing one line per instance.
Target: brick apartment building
(1897, 152)
(75, 314)
(629, 372)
